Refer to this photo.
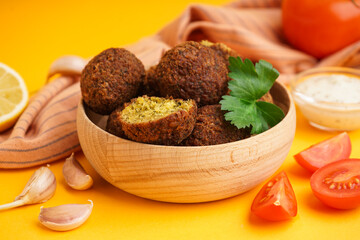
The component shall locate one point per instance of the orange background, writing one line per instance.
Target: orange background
(34, 33)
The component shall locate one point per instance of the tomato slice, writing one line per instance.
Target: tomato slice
(276, 200)
(338, 184)
(325, 152)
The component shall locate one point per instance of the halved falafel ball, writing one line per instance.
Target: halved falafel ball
(113, 125)
(191, 70)
(211, 128)
(157, 120)
(110, 79)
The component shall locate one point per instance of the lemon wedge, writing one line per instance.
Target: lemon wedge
(13, 96)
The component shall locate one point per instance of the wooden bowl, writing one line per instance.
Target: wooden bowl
(187, 174)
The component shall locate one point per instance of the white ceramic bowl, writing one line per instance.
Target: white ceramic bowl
(187, 174)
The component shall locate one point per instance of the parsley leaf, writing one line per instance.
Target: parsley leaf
(270, 112)
(249, 83)
(241, 112)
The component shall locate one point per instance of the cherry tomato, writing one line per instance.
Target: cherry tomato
(325, 152)
(276, 200)
(320, 28)
(338, 184)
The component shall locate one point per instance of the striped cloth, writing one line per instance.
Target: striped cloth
(46, 131)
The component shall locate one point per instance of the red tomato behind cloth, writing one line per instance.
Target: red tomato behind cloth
(321, 27)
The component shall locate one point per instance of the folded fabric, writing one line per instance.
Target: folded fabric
(253, 28)
(46, 131)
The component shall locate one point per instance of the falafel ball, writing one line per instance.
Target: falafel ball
(150, 86)
(221, 49)
(156, 120)
(191, 70)
(211, 128)
(110, 79)
(267, 98)
(226, 52)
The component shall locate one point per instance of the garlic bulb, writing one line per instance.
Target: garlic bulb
(40, 188)
(75, 175)
(65, 217)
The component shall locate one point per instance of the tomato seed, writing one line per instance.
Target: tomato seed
(332, 186)
(328, 180)
(264, 199)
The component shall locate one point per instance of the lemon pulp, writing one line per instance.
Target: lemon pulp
(13, 96)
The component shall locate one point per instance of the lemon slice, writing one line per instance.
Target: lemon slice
(13, 96)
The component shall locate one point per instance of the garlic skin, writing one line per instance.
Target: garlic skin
(40, 188)
(75, 175)
(65, 217)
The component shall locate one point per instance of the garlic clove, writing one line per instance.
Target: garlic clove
(65, 217)
(67, 65)
(40, 188)
(75, 175)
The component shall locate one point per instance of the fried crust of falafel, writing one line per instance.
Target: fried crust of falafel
(211, 128)
(163, 127)
(220, 48)
(110, 79)
(150, 84)
(191, 70)
(113, 125)
(267, 98)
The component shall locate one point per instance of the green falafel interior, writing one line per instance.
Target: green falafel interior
(145, 109)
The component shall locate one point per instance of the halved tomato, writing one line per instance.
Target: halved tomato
(325, 152)
(276, 200)
(338, 184)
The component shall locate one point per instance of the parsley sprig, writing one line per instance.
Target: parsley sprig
(249, 83)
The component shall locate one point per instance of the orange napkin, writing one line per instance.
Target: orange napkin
(253, 28)
(46, 131)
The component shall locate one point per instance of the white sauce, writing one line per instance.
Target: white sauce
(336, 88)
(330, 101)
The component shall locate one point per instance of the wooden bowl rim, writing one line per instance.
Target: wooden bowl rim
(255, 138)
